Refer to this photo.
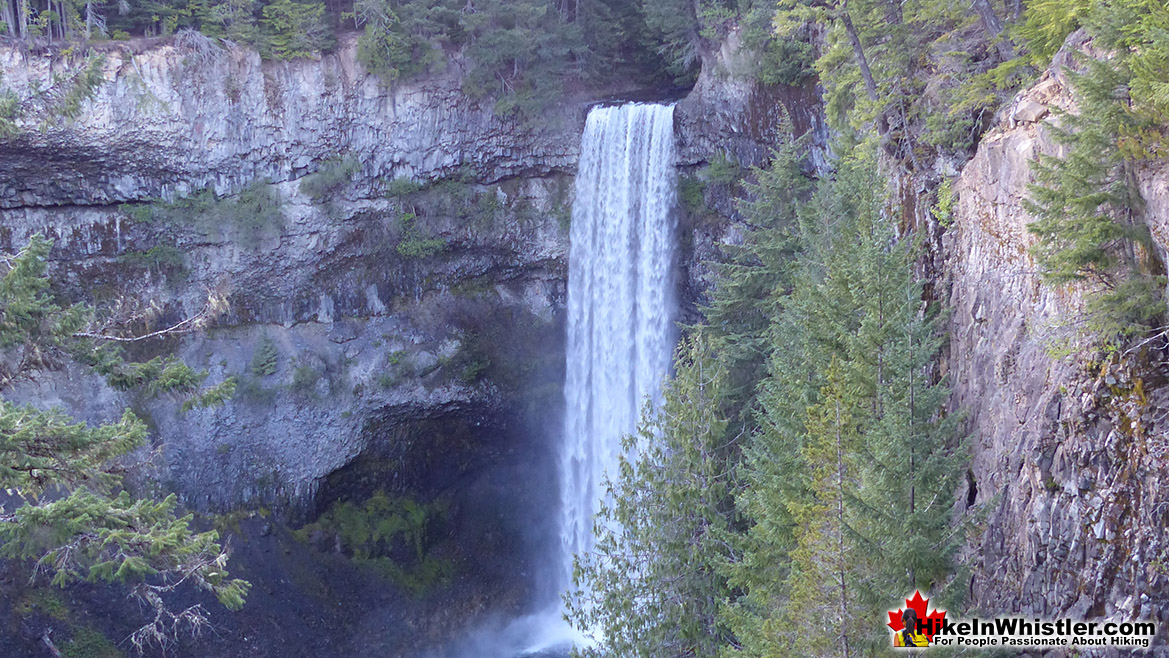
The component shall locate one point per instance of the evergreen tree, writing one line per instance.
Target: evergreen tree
(652, 586)
(757, 274)
(73, 517)
(821, 617)
(295, 29)
(1089, 215)
(849, 479)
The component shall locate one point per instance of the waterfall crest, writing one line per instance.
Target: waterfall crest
(620, 301)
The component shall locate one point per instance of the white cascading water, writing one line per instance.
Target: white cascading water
(620, 333)
(620, 301)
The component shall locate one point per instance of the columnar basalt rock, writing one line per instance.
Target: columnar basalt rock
(170, 120)
(372, 308)
(1066, 453)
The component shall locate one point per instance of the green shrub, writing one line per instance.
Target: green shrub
(402, 186)
(333, 175)
(305, 378)
(254, 211)
(421, 248)
(413, 244)
(723, 170)
(692, 192)
(943, 212)
(138, 212)
(265, 359)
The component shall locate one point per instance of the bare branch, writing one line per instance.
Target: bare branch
(213, 308)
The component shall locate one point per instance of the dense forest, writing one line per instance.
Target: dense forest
(519, 51)
(804, 464)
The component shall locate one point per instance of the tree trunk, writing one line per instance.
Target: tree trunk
(859, 52)
(840, 536)
(994, 28)
(8, 18)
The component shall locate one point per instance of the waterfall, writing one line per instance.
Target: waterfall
(620, 301)
(620, 336)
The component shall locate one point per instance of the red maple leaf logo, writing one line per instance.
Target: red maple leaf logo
(919, 606)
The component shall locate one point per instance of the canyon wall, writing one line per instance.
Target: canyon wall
(1069, 456)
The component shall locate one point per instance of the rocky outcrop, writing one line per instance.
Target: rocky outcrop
(185, 115)
(730, 113)
(1068, 449)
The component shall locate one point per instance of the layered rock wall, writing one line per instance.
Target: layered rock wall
(1068, 448)
(385, 296)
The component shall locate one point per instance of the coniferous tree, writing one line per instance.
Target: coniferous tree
(1089, 215)
(758, 272)
(73, 517)
(849, 480)
(821, 616)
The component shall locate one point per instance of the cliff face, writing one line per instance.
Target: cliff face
(387, 267)
(389, 302)
(417, 326)
(175, 119)
(1069, 452)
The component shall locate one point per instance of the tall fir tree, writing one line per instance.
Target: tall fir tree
(1088, 211)
(850, 478)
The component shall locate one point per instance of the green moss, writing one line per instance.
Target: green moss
(89, 643)
(373, 530)
(692, 192)
(42, 601)
(422, 578)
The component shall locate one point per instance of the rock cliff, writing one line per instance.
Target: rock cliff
(411, 283)
(387, 266)
(1068, 446)
(436, 223)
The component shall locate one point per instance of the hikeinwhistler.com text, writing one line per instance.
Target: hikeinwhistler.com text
(1021, 632)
